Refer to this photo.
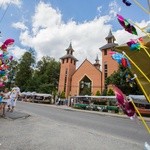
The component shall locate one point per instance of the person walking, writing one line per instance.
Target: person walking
(13, 98)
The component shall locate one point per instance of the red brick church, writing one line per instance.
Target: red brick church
(87, 79)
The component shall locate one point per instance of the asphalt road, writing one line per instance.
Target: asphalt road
(63, 129)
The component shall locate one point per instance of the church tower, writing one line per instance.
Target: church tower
(68, 67)
(108, 64)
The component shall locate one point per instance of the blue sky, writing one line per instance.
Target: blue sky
(48, 26)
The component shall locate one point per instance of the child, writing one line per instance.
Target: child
(13, 97)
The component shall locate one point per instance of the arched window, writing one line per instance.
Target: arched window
(85, 86)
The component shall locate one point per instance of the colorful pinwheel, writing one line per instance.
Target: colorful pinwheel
(126, 106)
(126, 2)
(136, 44)
(121, 59)
(126, 25)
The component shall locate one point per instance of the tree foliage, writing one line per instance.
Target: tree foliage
(47, 75)
(24, 73)
(98, 93)
(41, 77)
(122, 78)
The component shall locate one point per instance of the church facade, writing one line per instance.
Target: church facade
(87, 79)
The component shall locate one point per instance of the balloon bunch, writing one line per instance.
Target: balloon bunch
(5, 60)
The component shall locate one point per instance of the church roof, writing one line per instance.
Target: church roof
(69, 56)
(108, 45)
(70, 48)
(86, 60)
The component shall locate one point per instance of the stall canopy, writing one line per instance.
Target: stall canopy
(140, 64)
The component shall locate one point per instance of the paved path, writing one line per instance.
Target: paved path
(64, 128)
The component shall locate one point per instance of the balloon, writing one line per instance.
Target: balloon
(1, 84)
(124, 62)
(9, 42)
(4, 47)
(117, 57)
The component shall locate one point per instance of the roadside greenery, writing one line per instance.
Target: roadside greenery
(41, 76)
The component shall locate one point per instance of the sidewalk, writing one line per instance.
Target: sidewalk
(15, 115)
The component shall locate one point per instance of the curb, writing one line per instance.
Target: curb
(64, 107)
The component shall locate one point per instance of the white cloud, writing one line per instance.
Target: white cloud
(99, 9)
(50, 35)
(114, 8)
(5, 3)
(19, 25)
(16, 52)
(45, 16)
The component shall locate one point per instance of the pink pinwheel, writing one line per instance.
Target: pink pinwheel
(126, 25)
(119, 95)
(123, 103)
(129, 109)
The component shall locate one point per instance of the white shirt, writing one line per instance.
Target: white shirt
(15, 92)
(6, 95)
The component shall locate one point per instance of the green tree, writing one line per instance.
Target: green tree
(110, 92)
(98, 93)
(122, 79)
(25, 70)
(62, 95)
(85, 91)
(104, 92)
(47, 75)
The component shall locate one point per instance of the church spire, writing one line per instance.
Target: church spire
(70, 49)
(97, 64)
(69, 54)
(97, 60)
(110, 38)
